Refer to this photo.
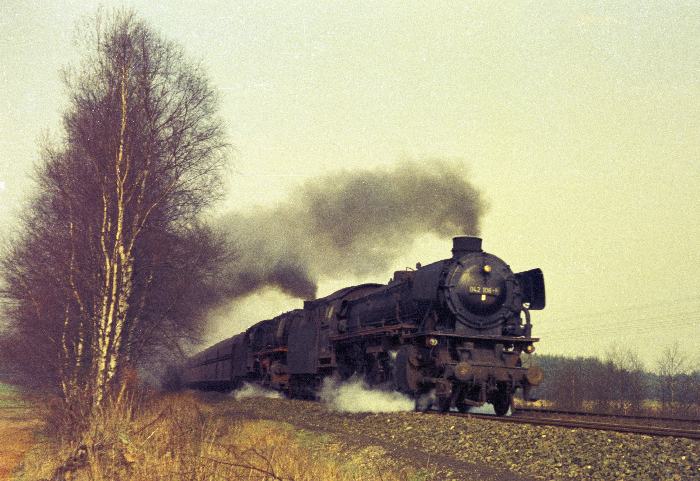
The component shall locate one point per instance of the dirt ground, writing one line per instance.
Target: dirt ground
(17, 427)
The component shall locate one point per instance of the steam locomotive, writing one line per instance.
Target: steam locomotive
(452, 332)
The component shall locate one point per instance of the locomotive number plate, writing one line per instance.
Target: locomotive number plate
(489, 291)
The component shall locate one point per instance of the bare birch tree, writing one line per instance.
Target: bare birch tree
(671, 365)
(116, 216)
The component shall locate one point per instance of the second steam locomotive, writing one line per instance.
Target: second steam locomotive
(455, 328)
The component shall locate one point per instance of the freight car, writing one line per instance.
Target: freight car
(452, 331)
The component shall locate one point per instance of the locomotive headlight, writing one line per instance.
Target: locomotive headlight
(487, 268)
(530, 348)
(463, 371)
(431, 341)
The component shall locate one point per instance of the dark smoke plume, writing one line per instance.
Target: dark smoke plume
(346, 223)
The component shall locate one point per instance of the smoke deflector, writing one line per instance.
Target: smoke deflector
(532, 284)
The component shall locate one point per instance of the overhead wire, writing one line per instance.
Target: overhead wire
(667, 304)
(639, 323)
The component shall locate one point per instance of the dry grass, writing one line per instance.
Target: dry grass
(17, 438)
(17, 427)
(176, 438)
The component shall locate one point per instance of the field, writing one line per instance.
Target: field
(17, 427)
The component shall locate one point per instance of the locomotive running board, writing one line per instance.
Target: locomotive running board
(475, 337)
(392, 328)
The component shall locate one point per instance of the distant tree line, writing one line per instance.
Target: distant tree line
(619, 383)
(110, 269)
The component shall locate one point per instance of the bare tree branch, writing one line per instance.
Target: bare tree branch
(102, 275)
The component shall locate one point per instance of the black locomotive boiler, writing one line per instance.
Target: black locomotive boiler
(455, 328)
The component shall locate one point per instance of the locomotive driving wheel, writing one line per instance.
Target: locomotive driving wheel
(466, 398)
(502, 400)
(462, 406)
(406, 373)
(444, 403)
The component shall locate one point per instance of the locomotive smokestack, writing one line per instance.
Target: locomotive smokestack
(464, 244)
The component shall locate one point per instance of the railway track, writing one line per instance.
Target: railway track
(606, 415)
(574, 421)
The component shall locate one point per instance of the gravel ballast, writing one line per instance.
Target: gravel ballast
(489, 449)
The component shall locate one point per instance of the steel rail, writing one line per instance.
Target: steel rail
(606, 415)
(600, 426)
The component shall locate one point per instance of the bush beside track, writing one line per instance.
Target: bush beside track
(178, 437)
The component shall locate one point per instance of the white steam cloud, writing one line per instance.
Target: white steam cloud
(251, 390)
(354, 396)
(429, 401)
(486, 409)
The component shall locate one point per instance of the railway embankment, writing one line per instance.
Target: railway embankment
(204, 436)
(478, 448)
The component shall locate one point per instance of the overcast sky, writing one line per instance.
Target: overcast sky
(579, 121)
